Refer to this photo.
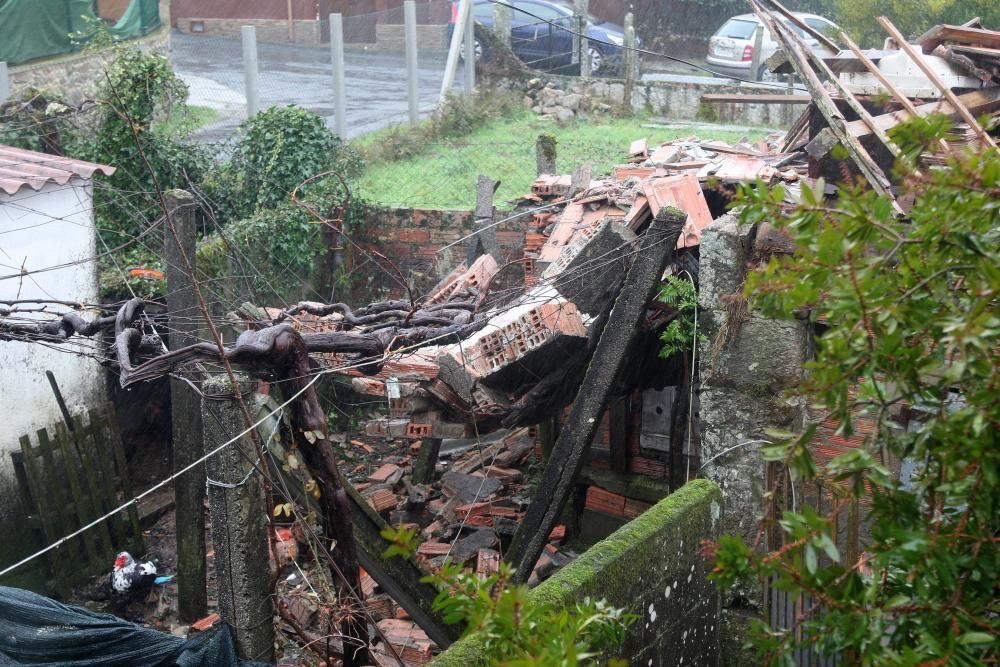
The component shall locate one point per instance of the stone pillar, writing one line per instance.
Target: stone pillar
(239, 522)
(746, 365)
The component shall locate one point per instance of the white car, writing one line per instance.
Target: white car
(730, 50)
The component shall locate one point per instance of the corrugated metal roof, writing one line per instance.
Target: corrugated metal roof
(19, 167)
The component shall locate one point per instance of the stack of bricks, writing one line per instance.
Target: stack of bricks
(539, 318)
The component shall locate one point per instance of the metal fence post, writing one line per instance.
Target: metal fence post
(337, 58)
(410, 19)
(4, 82)
(470, 53)
(249, 36)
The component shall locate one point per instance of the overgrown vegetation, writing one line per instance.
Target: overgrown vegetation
(516, 631)
(680, 333)
(914, 330)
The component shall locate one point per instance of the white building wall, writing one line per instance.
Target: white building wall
(50, 227)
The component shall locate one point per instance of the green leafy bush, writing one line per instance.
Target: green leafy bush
(279, 149)
(518, 632)
(914, 327)
(139, 87)
(679, 334)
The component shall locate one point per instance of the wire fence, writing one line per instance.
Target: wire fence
(294, 63)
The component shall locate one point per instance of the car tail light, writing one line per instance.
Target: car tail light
(454, 13)
(748, 52)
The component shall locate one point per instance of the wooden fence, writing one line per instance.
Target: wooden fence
(68, 477)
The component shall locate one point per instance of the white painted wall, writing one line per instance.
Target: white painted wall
(52, 226)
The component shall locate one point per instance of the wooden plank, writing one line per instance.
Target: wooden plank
(853, 102)
(124, 483)
(563, 467)
(744, 98)
(103, 457)
(808, 29)
(940, 34)
(86, 436)
(80, 501)
(976, 51)
(91, 474)
(791, 43)
(40, 492)
(964, 113)
(978, 101)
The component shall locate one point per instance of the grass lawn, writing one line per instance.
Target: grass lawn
(187, 120)
(444, 175)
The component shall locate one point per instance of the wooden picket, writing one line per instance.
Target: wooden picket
(70, 478)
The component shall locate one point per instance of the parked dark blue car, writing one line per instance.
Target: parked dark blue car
(538, 38)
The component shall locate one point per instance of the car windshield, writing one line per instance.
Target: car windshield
(737, 29)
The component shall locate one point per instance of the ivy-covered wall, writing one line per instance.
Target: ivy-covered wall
(652, 566)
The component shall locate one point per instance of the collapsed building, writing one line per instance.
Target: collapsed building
(557, 349)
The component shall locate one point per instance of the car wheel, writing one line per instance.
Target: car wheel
(764, 74)
(479, 50)
(596, 60)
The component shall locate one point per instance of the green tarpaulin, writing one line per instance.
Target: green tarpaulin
(31, 29)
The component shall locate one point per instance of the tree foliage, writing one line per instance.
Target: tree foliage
(138, 88)
(914, 328)
(516, 630)
(912, 17)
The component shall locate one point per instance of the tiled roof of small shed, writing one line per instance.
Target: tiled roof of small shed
(19, 167)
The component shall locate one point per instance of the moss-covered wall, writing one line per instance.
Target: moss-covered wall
(652, 566)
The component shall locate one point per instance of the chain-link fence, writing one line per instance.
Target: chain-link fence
(294, 59)
(294, 66)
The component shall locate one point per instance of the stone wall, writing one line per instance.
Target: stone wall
(653, 567)
(413, 239)
(78, 76)
(309, 32)
(746, 365)
(392, 37)
(676, 97)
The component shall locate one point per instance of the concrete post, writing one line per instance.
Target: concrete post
(545, 154)
(4, 82)
(337, 58)
(485, 239)
(249, 35)
(410, 19)
(427, 457)
(758, 45)
(568, 455)
(451, 65)
(239, 522)
(189, 489)
(470, 53)
(630, 58)
(581, 47)
(502, 21)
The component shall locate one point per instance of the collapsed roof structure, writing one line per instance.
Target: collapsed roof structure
(483, 352)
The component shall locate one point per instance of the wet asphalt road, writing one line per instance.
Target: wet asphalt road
(376, 82)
